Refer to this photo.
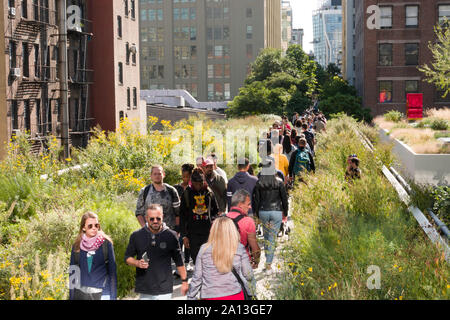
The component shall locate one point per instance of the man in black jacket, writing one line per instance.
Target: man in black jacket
(198, 210)
(293, 163)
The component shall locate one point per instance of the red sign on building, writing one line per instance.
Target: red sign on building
(414, 106)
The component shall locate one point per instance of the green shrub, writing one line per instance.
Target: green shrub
(438, 135)
(442, 203)
(439, 124)
(394, 116)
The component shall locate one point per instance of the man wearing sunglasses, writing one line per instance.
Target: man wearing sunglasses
(155, 246)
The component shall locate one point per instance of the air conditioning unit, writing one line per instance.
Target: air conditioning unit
(12, 12)
(15, 72)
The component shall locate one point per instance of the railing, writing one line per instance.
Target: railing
(41, 15)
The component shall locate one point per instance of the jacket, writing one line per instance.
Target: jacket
(101, 275)
(270, 199)
(219, 187)
(241, 180)
(210, 283)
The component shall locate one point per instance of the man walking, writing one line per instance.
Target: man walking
(154, 246)
(301, 161)
(240, 205)
(160, 193)
(217, 169)
(217, 185)
(241, 180)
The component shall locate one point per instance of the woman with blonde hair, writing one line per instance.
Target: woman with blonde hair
(214, 278)
(93, 254)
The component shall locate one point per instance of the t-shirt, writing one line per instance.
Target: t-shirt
(161, 249)
(246, 226)
(282, 163)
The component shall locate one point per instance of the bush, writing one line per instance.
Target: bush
(394, 116)
(439, 124)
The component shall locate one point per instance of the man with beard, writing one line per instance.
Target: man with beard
(198, 210)
(217, 184)
(154, 246)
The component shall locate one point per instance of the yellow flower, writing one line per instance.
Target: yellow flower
(321, 293)
(400, 269)
(310, 269)
(448, 286)
(302, 284)
(400, 298)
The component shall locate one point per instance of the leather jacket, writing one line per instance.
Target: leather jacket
(270, 198)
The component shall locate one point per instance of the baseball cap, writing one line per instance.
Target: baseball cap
(208, 162)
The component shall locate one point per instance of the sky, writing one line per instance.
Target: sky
(302, 18)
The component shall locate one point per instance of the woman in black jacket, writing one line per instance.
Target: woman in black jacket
(270, 206)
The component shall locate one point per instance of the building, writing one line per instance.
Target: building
(286, 25)
(387, 58)
(348, 40)
(297, 36)
(3, 104)
(327, 32)
(113, 55)
(204, 47)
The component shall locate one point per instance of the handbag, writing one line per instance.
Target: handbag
(247, 296)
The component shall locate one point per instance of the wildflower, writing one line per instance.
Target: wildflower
(400, 269)
(321, 293)
(310, 269)
(400, 298)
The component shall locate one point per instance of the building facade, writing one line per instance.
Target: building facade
(348, 41)
(297, 36)
(286, 25)
(327, 32)
(387, 58)
(113, 55)
(204, 47)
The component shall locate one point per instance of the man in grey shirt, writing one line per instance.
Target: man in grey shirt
(160, 193)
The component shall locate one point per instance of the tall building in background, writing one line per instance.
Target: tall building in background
(348, 40)
(297, 36)
(204, 47)
(387, 58)
(286, 24)
(327, 32)
(115, 92)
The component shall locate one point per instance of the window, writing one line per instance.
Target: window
(385, 91)
(133, 9)
(184, 13)
(227, 91)
(193, 13)
(193, 52)
(133, 55)
(119, 26)
(25, 9)
(385, 54)
(210, 71)
(25, 57)
(411, 86)
(386, 17)
(134, 98)
(249, 51)
(218, 71)
(226, 33)
(144, 15)
(127, 53)
(36, 61)
(120, 73)
(126, 8)
(248, 12)
(217, 33)
(37, 103)
(210, 91)
(226, 71)
(249, 34)
(193, 35)
(12, 54)
(128, 98)
(444, 12)
(49, 116)
(218, 51)
(218, 90)
(412, 16)
(27, 114)
(411, 54)
(14, 115)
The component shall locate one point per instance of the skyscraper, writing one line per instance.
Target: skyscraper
(286, 24)
(297, 36)
(348, 40)
(204, 47)
(327, 31)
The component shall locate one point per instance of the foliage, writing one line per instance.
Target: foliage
(394, 116)
(343, 228)
(439, 124)
(437, 73)
(350, 105)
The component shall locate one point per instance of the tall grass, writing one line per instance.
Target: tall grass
(341, 229)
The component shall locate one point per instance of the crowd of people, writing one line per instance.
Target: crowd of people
(206, 218)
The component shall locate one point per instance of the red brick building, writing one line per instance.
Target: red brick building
(387, 59)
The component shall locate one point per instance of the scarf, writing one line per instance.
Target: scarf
(91, 244)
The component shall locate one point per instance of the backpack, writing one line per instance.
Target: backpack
(105, 254)
(236, 223)
(302, 161)
(170, 190)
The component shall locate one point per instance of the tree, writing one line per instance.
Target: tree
(439, 72)
(333, 70)
(347, 103)
(268, 62)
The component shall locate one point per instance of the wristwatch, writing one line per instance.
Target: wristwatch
(184, 280)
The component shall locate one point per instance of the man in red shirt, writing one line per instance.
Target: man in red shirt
(240, 204)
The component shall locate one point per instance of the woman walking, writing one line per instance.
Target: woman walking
(93, 253)
(271, 205)
(219, 262)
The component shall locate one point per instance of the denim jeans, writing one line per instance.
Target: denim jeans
(271, 221)
(167, 296)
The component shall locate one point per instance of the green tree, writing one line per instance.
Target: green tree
(333, 70)
(349, 104)
(268, 62)
(439, 71)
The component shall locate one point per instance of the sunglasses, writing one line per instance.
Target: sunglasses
(353, 156)
(157, 219)
(90, 226)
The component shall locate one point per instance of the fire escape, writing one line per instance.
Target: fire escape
(80, 78)
(28, 29)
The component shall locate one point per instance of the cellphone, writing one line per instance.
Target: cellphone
(144, 257)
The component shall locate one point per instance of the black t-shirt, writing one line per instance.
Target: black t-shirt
(161, 249)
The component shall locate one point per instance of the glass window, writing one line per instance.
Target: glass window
(411, 54)
(217, 33)
(14, 115)
(119, 26)
(176, 13)
(210, 51)
(248, 12)
(184, 13)
(128, 98)
(385, 91)
(218, 71)
(210, 91)
(411, 86)
(227, 91)
(217, 12)
(249, 32)
(193, 52)
(226, 33)
(249, 51)
(218, 87)
(134, 97)
(226, 71)
(386, 17)
(218, 51)
(385, 54)
(144, 15)
(209, 33)
(193, 13)
(120, 73)
(412, 16)
(210, 71)
(444, 12)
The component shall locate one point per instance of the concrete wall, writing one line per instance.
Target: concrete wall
(422, 168)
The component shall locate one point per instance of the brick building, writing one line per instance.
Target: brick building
(387, 59)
